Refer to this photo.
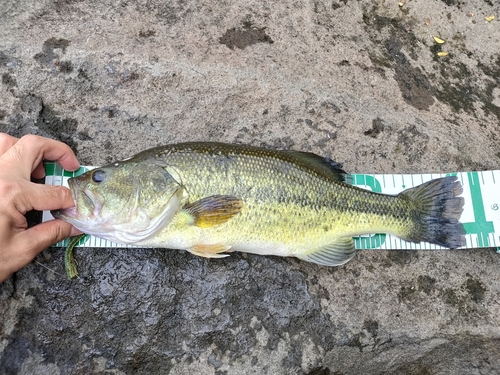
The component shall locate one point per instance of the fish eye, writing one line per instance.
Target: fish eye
(98, 176)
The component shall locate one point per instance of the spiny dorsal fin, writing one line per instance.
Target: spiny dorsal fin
(334, 254)
(324, 166)
(213, 210)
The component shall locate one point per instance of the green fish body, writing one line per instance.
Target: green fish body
(213, 198)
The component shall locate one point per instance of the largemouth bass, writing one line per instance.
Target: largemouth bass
(212, 198)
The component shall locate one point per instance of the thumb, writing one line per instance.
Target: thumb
(43, 235)
(47, 197)
(32, 241)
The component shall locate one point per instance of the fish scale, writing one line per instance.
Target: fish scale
(217, 198)
(272, 176)
(481, 211)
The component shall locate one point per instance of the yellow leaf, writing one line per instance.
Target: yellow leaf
(442, 53)
(438, 40)
(489, 18)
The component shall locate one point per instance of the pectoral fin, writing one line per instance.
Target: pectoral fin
(334, 254)
(210, 251)
(213, 210)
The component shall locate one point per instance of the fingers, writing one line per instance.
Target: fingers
(23, 196)
(6, 142)
(25, 155)
(28, 244)
(43, 235)
(46, 197)
(43, 198)
(39, 172)
(19, 159)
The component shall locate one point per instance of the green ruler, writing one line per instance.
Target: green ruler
(481, 216)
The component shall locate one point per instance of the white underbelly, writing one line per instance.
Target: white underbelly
(183, 241)
(263, 248)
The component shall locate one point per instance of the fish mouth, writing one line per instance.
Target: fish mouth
(93, 199)
(70, 212)
(88, 199)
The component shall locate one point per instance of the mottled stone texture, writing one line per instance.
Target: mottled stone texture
(357, 81)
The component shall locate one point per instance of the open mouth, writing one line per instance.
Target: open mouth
(69, 212)
(92, 200)
(86, 200)
(73, 190)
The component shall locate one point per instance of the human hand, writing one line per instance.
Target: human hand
(21, 159)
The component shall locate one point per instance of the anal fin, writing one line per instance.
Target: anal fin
(334, 254)
(210, 251)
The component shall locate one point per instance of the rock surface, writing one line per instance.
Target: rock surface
(358, 81)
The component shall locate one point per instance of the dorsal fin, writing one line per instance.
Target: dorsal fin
(324, 166)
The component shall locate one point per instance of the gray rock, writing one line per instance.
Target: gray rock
(357, 81)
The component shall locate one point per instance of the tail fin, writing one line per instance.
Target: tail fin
(437, 208)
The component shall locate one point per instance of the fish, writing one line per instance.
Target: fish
(213, 198)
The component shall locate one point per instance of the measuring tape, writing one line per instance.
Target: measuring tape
(481, 216)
